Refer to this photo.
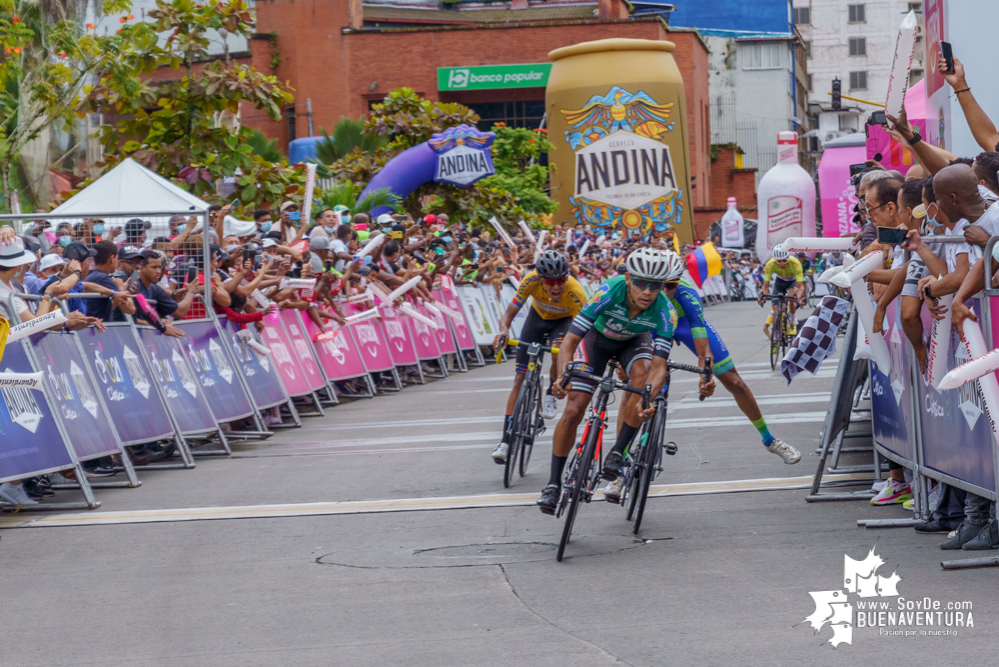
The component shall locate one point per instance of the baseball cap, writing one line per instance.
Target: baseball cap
(136, 226)
(78, 250)
(276, 235)
(288, 204)
(384, 219)
(51, 261)
(269, 243)
(13, 255)
(320, 243)
(430, 219)
(130, 252)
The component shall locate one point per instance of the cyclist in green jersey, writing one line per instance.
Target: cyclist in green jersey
(618, 322)
(786, 273)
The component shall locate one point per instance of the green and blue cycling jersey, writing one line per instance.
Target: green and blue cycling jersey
(692, 325)
(608, 313)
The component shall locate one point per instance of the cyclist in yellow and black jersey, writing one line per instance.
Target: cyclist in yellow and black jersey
(786, 274)
(558, 297)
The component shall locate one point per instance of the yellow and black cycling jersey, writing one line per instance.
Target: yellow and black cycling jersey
(568, 305)
(790, 272)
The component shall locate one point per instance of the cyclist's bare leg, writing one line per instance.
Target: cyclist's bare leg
(630, 405)
(511, 400)
(565, 431)
(742, 394)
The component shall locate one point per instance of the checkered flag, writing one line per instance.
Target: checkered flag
(816, 340)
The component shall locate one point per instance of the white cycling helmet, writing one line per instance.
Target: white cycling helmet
(780, 252)
(649, 264)
(675, 266)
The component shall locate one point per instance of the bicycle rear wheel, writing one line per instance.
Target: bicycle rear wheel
(650, 460)
(579, 484)
(532, 426)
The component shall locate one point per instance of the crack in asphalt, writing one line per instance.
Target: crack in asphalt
(506, 578)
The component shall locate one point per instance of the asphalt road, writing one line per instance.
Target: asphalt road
(324, 577)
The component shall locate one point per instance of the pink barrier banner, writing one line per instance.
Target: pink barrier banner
(370, 341)
(302, 348)
(400, 346)
(338, 355)
(445, 341)
(450, 299)
(283, 352)
(423, 336)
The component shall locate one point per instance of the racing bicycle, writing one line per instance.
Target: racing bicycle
(583, 474)
(643, 461)
(527, 422)
(780, 337)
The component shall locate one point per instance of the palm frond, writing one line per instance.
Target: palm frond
(264, 147)
(347, 193)
(348, 134)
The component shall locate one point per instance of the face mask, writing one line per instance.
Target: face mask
(65, 240)
(265, 227)
(232, 248)
(98, 230)
(330, 230)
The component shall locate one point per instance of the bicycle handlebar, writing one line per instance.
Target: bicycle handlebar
(513, 342)
(707, 370)
(571, 372)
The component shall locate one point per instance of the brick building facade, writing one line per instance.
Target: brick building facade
(344, 55)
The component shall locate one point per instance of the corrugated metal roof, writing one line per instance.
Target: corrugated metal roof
(407, 15)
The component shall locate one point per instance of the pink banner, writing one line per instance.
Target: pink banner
(450, 299)
(302, 347)
(338, 355)
(283, 353)
(887, 151)
(445, 341)
(836, 194)
(423, 336)
(400, 346)
(370, 341)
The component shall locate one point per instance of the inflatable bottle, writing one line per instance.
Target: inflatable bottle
(732, 227)
(786, 198)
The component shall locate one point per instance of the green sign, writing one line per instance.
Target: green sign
(487, 77)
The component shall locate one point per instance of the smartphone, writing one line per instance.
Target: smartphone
(294, 216)
(948, 56)
(857, 169)
(134, 278)
(247, 254)
(234, 204)
(877, 118)
(891, 236)
(329, 265)
(192, 275)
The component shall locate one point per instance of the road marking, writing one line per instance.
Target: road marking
(99, 518)
(685, 404)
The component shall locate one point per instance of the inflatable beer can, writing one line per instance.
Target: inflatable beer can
(617, 116)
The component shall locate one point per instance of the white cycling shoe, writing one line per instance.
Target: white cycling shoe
(550, 408)
(613, 490)
(788, 453)
(500, 452)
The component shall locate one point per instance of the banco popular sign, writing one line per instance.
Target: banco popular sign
(491, 77)
(623, 171)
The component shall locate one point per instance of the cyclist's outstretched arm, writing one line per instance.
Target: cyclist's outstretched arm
(504, 332)
(657, 375)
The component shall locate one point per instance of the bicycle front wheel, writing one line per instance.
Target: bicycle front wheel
(632, 479)
(650, 460)
(532, 426)
(517, 431)
(579, 484)
(776, 336)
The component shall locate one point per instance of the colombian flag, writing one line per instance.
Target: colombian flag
(703, 263)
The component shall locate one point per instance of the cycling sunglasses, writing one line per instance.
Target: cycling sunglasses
(670, 284)
(652, 285)
(554, 281)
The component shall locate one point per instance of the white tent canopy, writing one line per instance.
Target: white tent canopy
(130, 187)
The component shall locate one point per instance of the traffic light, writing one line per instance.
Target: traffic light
(837, 103)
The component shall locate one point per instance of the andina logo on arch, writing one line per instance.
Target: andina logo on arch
(871, 600)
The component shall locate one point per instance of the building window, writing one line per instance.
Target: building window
(762, 56)
(857, 13)
(916, 7)
(514, 114)
(802, 15)
(809, 83)
(808, 48)
(858, 46)
(858, 80)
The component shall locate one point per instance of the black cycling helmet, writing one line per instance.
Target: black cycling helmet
(552, 265)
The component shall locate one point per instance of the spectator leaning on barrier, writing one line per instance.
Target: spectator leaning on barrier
(151, 265)
(129, 261)
(99, 280)
(14, 260)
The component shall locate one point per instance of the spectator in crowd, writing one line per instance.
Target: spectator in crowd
(151, 266)
(99, 280)
(129, 261)
(135, 232)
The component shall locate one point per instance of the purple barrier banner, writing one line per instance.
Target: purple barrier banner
(891, 396)
(283, 354)
(30, 441)
(261, 376)
(423, 336)
(214, 371)
(957, 438)
(73, 393)
(370, 342)
(302, 348)
(126, 383)
(399, 343)
(464, 335)
(338, 355)
(173, 371)
(442, 334)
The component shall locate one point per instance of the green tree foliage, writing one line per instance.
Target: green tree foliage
(404, 119)
(348, 137)
(188, 127)
(264, 147)
(346, 194)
